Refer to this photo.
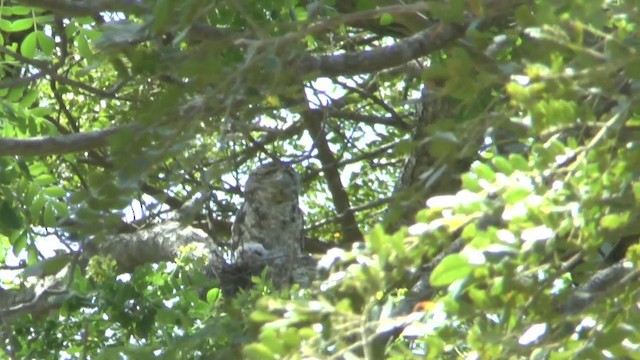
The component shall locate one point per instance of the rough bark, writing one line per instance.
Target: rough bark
(152, 245)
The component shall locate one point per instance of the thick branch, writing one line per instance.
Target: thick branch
(368, 119)
(599, 286)
(366, 155)
(418, 45)
(155, 244)
(55, 145)
(350, 230)
(397, 54)
(86, 8)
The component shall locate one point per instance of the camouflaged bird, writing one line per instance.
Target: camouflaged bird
(270, 216)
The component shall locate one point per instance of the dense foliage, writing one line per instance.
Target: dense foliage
(470, 174)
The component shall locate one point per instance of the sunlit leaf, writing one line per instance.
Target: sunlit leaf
(386, 19)
(451, 268)
(29, 45)
(258, 352)
(484, 171)
(54, 191)
(614, 221)
(21, 25)
(49, 215)
(46, 43)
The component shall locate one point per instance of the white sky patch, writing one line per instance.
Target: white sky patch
(323, 90)
(515, 211)
(586, 324)
(170, 302)
(462, 197)
(135, 211)
(532, 334)
(475, 257)
(427, 323)
(506, 236)
(124, 277)
(559, 285)
(521, 79)
(419, 229)
(443, 201)
(538, 233)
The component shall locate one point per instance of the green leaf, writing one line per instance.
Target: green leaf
(484, 171)
(480, 298)
(611, 337)
(18, 241)
(32, 191)
(200, 309)
(518, 162)
(449, 11)
(386, 19)
(470, 182)
(21, 25)
(28, 46)
(524, 16)
(453, 267)
(444, 145)
(49, 216)
(44, 111)
(9, 217)
(45, 179)
(262, 316)
(403, 147)
(29, 99)
(38, 203)
(502, 164)
(162, 13)
(47, 267)
(257, 352)
(54, 191)
(213, 295)
(46, 43)
(61, 208)
(300, 13)
(166, 316)
(515, 194)
(376, 239)
(83, 47)
(614, 221)
(365, 4)
(5, 25)
(636, 192)
(16, 10)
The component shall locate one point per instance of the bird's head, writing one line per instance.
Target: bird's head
(275, 182)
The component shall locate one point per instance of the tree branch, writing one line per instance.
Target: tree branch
(154, 244)
(151, 245)
(599, 286)
(355, 63)
(351, 232)
(86, 8)
(392, 121)
(56, 145)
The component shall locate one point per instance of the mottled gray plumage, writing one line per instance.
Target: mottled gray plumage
(270, 215)
(253, 253)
